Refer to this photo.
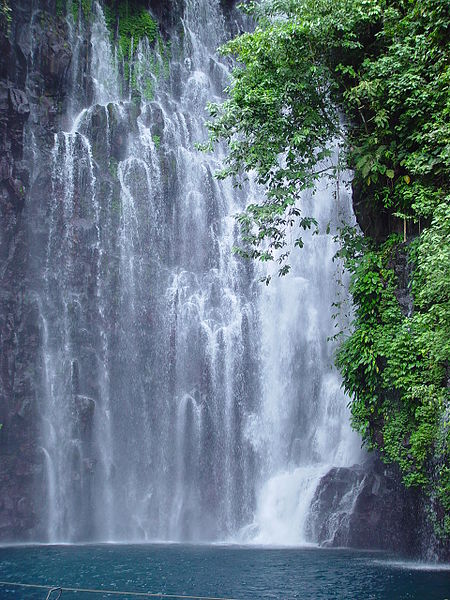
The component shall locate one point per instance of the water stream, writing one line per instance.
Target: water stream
(181, 399)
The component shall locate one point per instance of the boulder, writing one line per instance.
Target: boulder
(366, 506)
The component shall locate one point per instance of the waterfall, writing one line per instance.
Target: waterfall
(180, 400)
(302, 426)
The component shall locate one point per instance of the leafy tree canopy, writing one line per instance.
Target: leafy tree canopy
(382, 63)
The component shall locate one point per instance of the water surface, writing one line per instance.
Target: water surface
(220, 571)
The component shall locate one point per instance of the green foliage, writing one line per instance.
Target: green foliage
(165, 50)
(394, 365)
(149, 90)
(86, 7)
(134, 23)
(110, 19)
(383, 65)
(157, 141)
(400, 91)
(60, 8)
(5, 16)
(277, 105)
(80, 8)
(113, 168)
(145, 74)
(128, 23)
(75, 10)
(133, 27)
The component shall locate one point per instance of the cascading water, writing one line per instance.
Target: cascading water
(180, 399)
(302, 426)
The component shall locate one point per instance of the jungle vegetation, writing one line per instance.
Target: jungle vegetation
(372, 76)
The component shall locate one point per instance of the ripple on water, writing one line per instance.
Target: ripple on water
(244, 573)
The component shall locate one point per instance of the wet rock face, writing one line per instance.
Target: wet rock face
(83, 408)
(403, 268)
(54, 56)
(374, 222)
(33, 71)
(167, 12)
(15, 399)
(366, 507)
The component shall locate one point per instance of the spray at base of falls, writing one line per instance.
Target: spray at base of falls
(180, 399)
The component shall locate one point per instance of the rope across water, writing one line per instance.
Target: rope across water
(51, 588)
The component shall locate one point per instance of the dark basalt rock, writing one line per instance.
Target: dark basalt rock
(32, 88)
(54, 53)
(83, 413)
(167, 12)
(375, 221)
(19, 102)
(367, 506)
(402, 268)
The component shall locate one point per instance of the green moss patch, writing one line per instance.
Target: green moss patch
(134, 23)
